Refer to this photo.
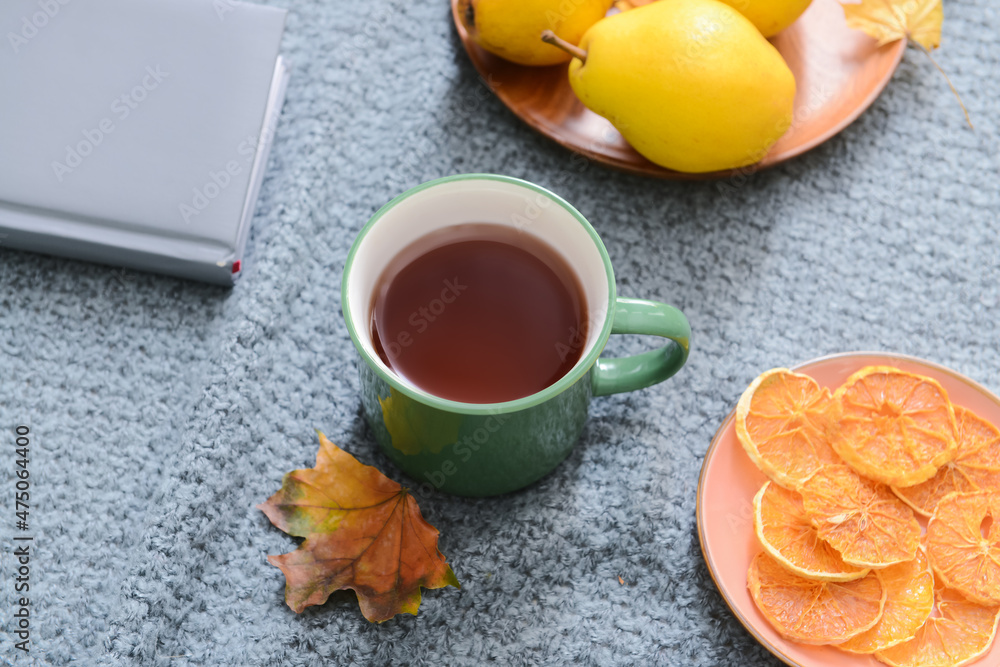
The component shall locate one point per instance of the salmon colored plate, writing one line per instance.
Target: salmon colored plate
(729, 481)
(838, 73)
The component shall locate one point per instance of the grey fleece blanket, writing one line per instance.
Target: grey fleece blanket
(163, 411)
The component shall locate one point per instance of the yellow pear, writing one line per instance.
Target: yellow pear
(770, 16)
(692, 85)
(510, 28)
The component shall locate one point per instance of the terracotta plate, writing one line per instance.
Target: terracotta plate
(838, 71)
(729, 481)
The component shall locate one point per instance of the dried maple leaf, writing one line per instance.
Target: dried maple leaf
(889, 20)
(363, 531)
(918, 21)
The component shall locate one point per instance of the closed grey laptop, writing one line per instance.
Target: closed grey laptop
(136, 132)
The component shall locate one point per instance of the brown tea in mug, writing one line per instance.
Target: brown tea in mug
(479, 313)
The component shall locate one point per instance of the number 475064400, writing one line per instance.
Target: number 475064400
(22, 484)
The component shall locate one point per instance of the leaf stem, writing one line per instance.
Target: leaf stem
(958, 97)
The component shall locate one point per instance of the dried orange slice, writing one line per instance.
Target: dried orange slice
(781, 421)
(908, 603)
(894, 427)
(962, 633)
(862, 519)
(963, 544)
(814, 612)
(976, 465)
(786, 533)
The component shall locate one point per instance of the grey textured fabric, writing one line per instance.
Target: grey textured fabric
(163, 411)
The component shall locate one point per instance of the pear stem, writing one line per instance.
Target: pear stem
(550, 37)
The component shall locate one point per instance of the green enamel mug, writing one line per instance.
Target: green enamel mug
(477, 449)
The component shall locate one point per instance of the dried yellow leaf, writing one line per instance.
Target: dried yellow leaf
(891, 20)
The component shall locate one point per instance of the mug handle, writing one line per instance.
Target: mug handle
(638, 316)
